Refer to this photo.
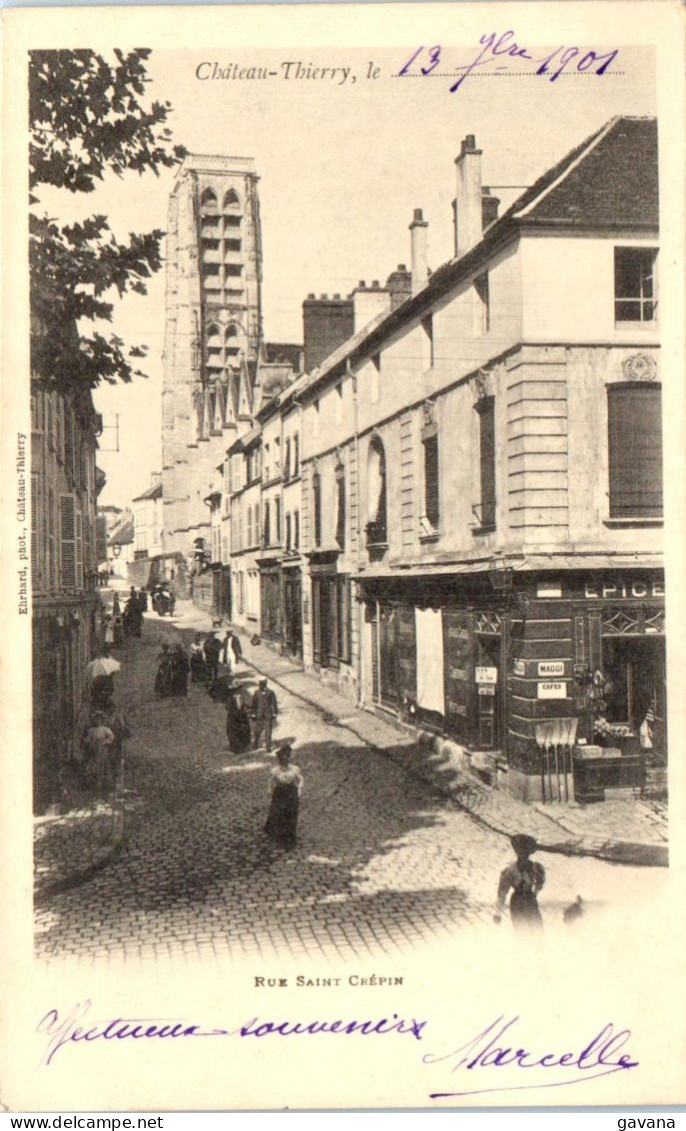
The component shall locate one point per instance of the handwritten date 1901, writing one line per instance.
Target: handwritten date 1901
(499, 48)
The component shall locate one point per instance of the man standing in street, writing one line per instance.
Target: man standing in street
(263, 711)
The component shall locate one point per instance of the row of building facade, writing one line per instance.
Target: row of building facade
(448, 503)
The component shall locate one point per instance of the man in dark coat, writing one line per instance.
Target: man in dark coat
(263, 711)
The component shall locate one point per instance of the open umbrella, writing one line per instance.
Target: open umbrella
(103, 665)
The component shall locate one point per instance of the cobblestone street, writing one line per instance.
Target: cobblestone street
(383, 863)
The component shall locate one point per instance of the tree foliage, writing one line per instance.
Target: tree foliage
(89, 117)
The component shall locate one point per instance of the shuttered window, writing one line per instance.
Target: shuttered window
(343, 612)
(635, 450)
(296, 530)
(277, 520)
(317, 507)
(296, 454)
(486, 410)
(78, 541)
(68, 541)
(431, 489)
(340, 506)
(288, 532)
(51, 557)
(267, 525)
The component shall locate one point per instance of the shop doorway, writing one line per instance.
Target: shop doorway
(637, 697)
(490, 692)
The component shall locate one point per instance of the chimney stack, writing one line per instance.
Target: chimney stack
(420, 266)
(369, 302)
(468, 205)
(489, 208)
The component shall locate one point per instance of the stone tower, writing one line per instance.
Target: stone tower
(213, 333)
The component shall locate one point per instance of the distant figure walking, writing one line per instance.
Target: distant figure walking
(180, 666)
(285, 784)
(198, 669)
(237, 720)
(212, 649)
(263, 711)
(163, 678)
(233, 653)
(526, 878)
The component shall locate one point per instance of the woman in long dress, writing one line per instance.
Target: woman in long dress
(237, 721)
(285, 783)
(163, 678)
(180, 669)
(525, 878)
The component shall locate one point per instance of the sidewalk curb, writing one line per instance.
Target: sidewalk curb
(46, 891)
(614, 851)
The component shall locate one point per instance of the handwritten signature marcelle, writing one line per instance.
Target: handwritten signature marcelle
(500, 52)
(489, 1050)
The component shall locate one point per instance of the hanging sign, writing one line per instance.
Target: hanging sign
(486, 675)
(557, 690)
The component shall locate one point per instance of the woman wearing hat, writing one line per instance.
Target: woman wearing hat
(526, 878)
(237, 721)
(285, 783)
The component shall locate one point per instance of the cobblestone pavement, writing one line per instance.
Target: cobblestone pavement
(382, 865)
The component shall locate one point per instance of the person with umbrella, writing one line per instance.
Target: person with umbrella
(525, 878)
(285, 786)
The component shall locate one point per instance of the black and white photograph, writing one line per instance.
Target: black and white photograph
(346, 455)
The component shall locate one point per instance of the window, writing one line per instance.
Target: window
(340, 505)
(296, 454)
(376, 528)
(277, 520)
(265, 463)
(267, 541)
(483, 309)
(277, 456)
(431, 488)
(287, 461)
(331, 620)
(635, 292)
(634, 414)
(288, 533)
(317, 507)
(486, 508)
(296, 530)
(343, 617)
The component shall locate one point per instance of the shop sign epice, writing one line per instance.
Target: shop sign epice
(552, 689)
(624, 587)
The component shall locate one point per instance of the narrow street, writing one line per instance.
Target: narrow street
(382, 863)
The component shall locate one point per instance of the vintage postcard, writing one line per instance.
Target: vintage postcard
(343, 567)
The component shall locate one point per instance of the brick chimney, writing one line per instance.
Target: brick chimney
(468, 204)
(420, 268)
(399, 285)
(369, 302)
(327, 323)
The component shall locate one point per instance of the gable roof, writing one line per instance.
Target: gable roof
(610, 180)
(154, 492)
(122, 535)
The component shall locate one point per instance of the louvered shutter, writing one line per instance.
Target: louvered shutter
(431, 479)
(78, 540)
(68, 541)
(340, 509)
(486, 410)
(317, 503)
(635, 450)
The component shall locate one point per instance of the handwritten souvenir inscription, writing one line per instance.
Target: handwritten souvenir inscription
(501, 53)
(493, 1050)
(498, 1047)
(72, 1028)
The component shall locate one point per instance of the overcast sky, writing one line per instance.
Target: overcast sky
(341, 167)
